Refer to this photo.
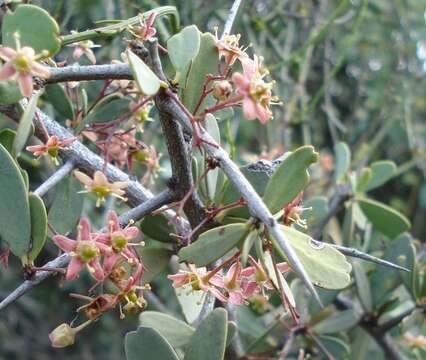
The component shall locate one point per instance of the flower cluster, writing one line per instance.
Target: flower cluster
(108, 256)
(237, 286)
(23, 65)
(251, 89)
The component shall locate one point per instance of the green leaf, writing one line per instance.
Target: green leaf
(147, 343)
(25, 124)
(213, 244)
(15, 223)
(35, 27)
(57, 96)
(147, 82)
(67, 205)
(212, 128)
(396, 312)
(340, 321)
(289, 179)
(206, 62)
(209, 340)
(363, 286)
(336, 346)
(342, 161)
(248, 244)
(7, 136)
(9, 92)
(381, 172)
(319, 211)
(363, 179)
(191, 303)
(175, 331)
(384, 279)
(183, 48)
(155, 259)
(326, 266)
(384, 218)
(38, 227)
(157, 227)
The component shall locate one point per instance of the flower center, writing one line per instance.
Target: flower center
(101, 191)
(87, 250)
(260, 91)
(22, 63)
(53, 151)
(119, 241)
(195, 282)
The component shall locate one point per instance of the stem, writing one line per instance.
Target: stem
(55, 178)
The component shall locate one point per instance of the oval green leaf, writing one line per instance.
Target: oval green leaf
(147, 343)
(57, 96)
(381, 172)
(209, 340)
(35, 27)
(341, 321)
(147, 82)
(363, 286)
(38, 227)
(7, 137)
(157, 227)
(326, 266)
(342, 161)
(384, 218)
(175, 331)
(9, 92)
(183, 48)
(289, 179)
(15, 223)
(25, 124)
(155, 259)
(213, 244)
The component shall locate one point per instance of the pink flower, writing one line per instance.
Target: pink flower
(118, 240)
(237, 288)
(84, 48)
(229, 48)
(51, 147)
(258, 277)
(145, 31)
(199, 280)
(22, 64)
(84, 252)
(255, 91)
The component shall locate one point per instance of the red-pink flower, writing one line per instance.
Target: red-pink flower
(236, 287)
(84, 251)
(199, 280)
(230, 49)
(51, 147)
(258, 277)
(22, 64)
(145, 30)
(118, 240)
(255, 91)
(84, 48)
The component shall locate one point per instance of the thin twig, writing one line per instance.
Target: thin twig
(231, 17)
(56, 177)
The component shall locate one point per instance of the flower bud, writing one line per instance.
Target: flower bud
(222, 90)
(62, 336)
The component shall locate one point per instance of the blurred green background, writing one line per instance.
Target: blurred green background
(352, 71)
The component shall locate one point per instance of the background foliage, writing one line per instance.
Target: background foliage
(351, 71)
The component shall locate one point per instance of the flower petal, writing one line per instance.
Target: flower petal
(249, 108)
(7, 53)
(113, 222)
(65, 243)
(25, 82)
(74, 268)
(95, 269)
(131, 232)
(7, 71)
(84, 229)
(83, 178)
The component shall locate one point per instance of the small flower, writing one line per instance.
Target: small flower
(293, 211)
(257, 276)
(51, 147)
(118, 240)
(229, 48)
(99, 305)
(145, 30)
(198, 279)
(84, 252)
(84, 48)
(222, 90)
(119, 147)
(100, 186)
(64, 335)
(22, 63)
(150, 159)
(255, 91)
